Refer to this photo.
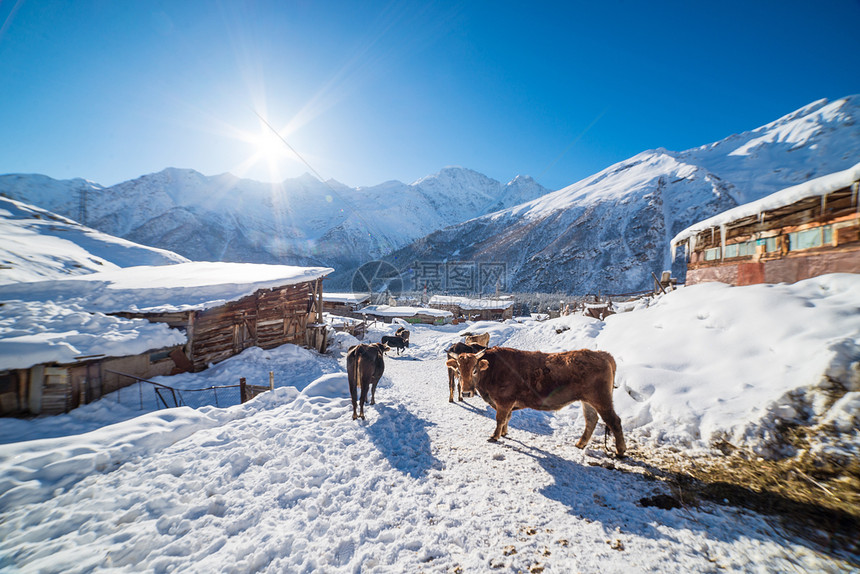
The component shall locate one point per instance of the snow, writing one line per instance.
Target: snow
(36, 244)
(179, 287)
(348, 298)
(820, 186)
(288, 482)
(37, 332)
(470, 304)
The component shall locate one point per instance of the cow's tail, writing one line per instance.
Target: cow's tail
(612, 368)
(357, 370)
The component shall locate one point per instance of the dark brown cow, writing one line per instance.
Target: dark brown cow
(364, 367)
(452, 353)
(510, 379)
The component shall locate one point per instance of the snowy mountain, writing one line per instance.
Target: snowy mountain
(36, 244)
(300, 221)
(610, 231)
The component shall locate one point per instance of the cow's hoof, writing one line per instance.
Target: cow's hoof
(450, 400)
(492, 439)
(354, 417)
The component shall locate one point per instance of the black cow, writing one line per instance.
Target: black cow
(452, 353)
(396, 343)
(364, 367)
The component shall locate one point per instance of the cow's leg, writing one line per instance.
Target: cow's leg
(353, 393)
(613, 421)
(451, 378)
(503, 415)
(373, 392)
(363, 399)
(590, 422)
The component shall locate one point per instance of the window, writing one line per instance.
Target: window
(712, 254)
(744, 249)
(770, 245)
(810, 238)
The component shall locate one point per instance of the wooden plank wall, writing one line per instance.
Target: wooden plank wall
(267, 319)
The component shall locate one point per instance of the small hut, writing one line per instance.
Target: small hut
(344, 304)
(497, 309)
(799, 232)
(203, 313)
(387, 313)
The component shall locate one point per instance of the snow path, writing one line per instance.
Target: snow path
(298, 486)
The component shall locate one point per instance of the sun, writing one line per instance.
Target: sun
(269, 147)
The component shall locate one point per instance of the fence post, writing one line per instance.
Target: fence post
(271, 381)
(242, 389)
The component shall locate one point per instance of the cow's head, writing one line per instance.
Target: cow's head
(468, 366)
(381, 348)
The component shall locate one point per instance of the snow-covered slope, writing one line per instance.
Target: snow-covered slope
(288, 482)
(36, 244)
(300, 221)
(610, 231)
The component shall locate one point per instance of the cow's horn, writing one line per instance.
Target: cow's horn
(480, 354)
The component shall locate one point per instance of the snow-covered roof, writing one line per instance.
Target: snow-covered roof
(32, 333)
(389, 311)
(166, 288)
(814, 187)
(471, 304)
(353, 298)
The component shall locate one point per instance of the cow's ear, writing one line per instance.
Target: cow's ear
(483, 365)
(451, 363)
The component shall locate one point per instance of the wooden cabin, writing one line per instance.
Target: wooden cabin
(267, 318)
(497, 309)
(387, 313)
(344, 304)
(53, 388)
(800, 232)
(221, 308)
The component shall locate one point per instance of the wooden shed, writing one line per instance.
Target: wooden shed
(387, 313)
(796, 233)
(496, 309)
(344, 304)
(54, 388)
(218, 309)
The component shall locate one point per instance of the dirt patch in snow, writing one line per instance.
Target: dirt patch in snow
(809, 498)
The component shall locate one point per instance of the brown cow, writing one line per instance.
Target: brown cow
(403, 334)
(364, 368)
(483, 339)
(510, 379)
(453, 352)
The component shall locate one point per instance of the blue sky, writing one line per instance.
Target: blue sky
(367, 92)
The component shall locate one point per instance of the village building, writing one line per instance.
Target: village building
(387, 313)
(170, 319)
(497, 309)
(799, 232)
(344, 303)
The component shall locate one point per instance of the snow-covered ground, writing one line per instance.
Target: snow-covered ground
(290, 483)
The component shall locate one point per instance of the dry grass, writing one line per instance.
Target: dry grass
(818, 502)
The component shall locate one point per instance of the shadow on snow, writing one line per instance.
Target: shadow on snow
(605, 495)
(528, 420)
(402, 437)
